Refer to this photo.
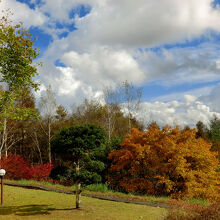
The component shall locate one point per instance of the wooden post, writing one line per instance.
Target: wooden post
(1, 190)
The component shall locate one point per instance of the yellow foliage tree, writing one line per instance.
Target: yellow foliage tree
(167, 161)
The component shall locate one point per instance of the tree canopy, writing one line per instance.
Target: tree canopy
(76, 142)
(17, 54)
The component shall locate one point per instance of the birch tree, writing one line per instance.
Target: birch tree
(47, 106)
(112, 100)
(132, 99)
(127, 97)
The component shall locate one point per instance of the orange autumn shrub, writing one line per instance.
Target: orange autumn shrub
(167, 161)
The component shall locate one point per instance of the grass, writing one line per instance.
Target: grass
(103, 190)
(198, 201)
(41, 183)
(97, 189)
(34, 182)
(21, 203)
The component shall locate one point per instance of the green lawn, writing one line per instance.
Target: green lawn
(96, 189)
(20, 203)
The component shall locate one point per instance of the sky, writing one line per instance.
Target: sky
(169, 48)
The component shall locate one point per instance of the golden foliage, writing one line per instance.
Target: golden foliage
(167, 161)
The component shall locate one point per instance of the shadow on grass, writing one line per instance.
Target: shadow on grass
(27, 210)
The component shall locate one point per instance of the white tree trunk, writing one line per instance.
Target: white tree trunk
(6, 143)
(3, 136)
(78, 190)
(37, 145)
(49, 139)
(109, 123)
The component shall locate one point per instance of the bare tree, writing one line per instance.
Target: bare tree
(47, 106)
(112, 101)
(132, 99)
(33, 134)
(125, 95)
(8, 137)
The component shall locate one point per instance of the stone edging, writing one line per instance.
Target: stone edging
(37, 187)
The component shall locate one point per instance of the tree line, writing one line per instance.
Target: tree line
(32, 137)
(210, 133)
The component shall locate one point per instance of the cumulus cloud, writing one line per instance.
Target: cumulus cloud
(58, 10)
(186, 112)
(114, 23)
(22, 13)
(126, 22)
(150, 23)
(212, 99)
(98, 65)
(86, 74)
(109, 46)
(203, 91)
(103, 66)
(67, 88)
(181, 65)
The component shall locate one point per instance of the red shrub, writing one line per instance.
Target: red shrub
(39, 171)
(18, 168)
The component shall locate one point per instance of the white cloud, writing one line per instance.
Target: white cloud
(63, 80)
(133, 23)
(171, 19)
(60, 11)
(181, 65)
(103, 51)
(204, 91)
(102, 66)
(213, 99)
(22, 13)
(182, 113)
(99, 65)
(88, 73)
(150, 23)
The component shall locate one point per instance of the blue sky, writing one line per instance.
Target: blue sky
(170, 49)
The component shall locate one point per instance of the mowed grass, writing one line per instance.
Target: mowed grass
(97, 189)
(21, 203)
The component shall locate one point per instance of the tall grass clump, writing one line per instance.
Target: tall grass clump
(98, 187)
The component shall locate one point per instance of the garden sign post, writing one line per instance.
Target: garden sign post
(2, 173)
